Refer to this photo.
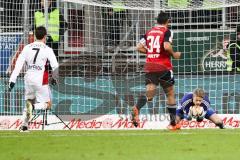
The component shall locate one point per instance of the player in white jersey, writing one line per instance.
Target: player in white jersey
(36, 56)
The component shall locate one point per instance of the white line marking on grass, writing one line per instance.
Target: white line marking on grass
(115, 133)
(89, 134)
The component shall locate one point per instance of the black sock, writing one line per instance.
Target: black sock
(220, 125)
(142, 100)
(172, 113)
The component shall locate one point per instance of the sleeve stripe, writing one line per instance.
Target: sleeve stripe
(184, 104)
(206, 103)
(143, 41)
(171, 37)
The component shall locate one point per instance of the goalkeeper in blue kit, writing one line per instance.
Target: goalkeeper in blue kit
(195, 100)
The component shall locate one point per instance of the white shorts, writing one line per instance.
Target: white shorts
(41, 93)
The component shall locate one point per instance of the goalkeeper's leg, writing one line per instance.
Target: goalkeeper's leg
(212, 116)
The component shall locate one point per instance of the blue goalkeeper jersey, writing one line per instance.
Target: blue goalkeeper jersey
(187, 102)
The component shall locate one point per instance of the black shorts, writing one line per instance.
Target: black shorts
(165, 79)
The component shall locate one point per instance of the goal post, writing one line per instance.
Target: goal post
(101, 73)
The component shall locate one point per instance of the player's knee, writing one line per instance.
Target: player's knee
(150, 92)
(214, 117)
(150, 95)
(31, 101)
(149, 99)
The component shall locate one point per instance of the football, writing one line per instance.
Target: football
(196, 111)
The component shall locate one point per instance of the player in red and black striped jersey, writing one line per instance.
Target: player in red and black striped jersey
(157, 45)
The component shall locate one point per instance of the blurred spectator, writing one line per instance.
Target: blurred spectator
(56, 24)
(234, 56)
(178, 4)
(179, 15)
(11, 15)
(115, 17)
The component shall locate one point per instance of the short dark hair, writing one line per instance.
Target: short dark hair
(162, 18)
(40, 32)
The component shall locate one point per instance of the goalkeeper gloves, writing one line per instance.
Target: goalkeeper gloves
(199, 118)
(189, 118)
(10, 86)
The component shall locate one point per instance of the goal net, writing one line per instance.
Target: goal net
(101, 73)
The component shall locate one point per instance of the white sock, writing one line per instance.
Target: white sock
(40, 106)
(24, 117)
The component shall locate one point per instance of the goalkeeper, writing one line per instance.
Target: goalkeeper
(197, 99)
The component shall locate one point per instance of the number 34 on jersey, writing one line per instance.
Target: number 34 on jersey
(153, 46)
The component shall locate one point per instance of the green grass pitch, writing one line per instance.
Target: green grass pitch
(196, 144)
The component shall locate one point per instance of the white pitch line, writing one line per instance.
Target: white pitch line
(91, 134)
(109, 134)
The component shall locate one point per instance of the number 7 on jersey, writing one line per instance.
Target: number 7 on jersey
(35, 57)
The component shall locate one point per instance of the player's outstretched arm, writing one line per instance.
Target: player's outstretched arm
(19, 64)
(141, 48)
(169, 49)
